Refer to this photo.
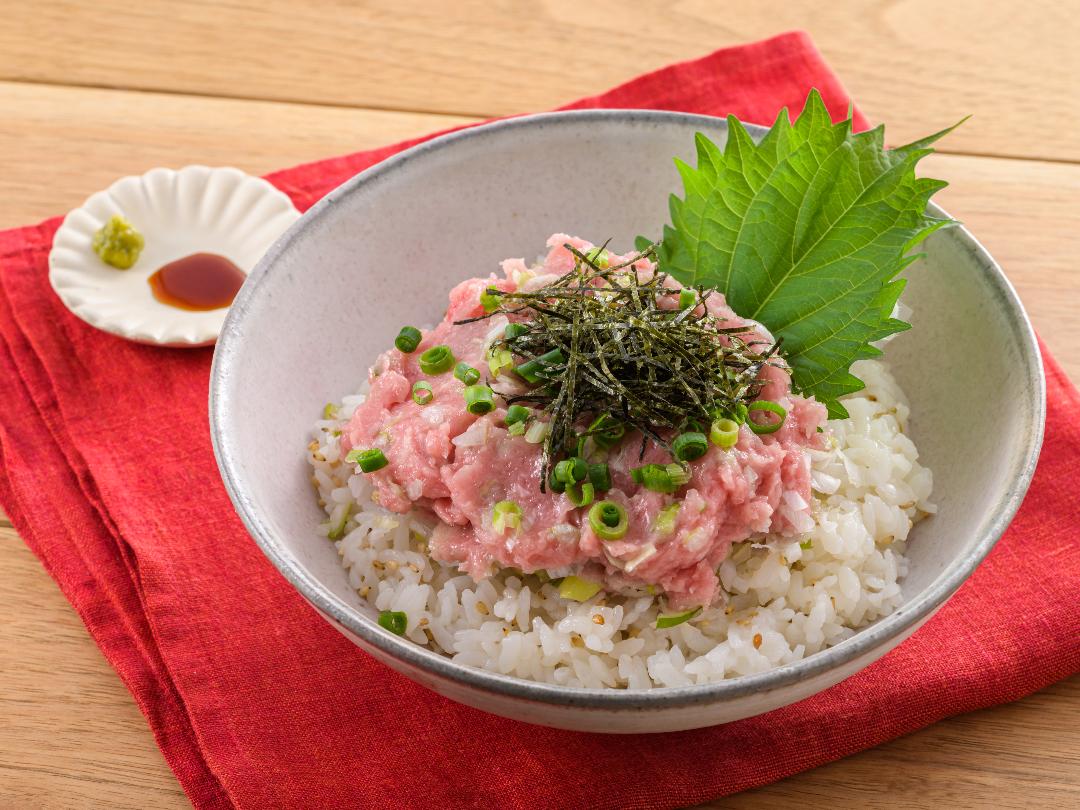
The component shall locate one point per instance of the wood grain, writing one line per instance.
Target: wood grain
(1025, 213)
(1024, 754)
(80, 140)
(917, 64)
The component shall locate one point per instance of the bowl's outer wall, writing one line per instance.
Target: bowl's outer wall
(384, 250)
(632, 720)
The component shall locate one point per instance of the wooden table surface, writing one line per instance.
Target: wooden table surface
(92, 91)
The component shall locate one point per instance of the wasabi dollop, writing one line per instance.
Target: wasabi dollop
(117, 243)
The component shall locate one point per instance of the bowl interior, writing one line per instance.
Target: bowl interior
(384, 249)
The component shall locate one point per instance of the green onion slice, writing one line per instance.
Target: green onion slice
(437, 360)
(554, 484)
(517, 414)
(665, 520)
(516, 429)
(678, 473)
(329, 411)
(606, 431)
(499, 359)
(571, 470)
(490, 299)
(690, 446)
(537, 432)
(737, 413)
(600, 477)
(479, 399)
(598, 257)
(608, 520)
(563, 472)
(408, 339)
(687, 298)
(395, 621)
(514, 330)
(578, 589)
(580, 494)
(665, 620)
(541, 367)
(769, 407)
(467, 374)
(338, 529)
(369, 460)
(506, 515)
(660, 477)
(724, 433)
(422, 393)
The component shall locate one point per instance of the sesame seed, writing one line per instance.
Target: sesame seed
(757, 641)
(482, 609)
(598, 618)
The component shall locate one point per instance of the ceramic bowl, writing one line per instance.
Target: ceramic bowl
(383, 249)
(196, 209)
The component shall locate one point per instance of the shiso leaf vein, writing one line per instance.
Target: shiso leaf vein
(806, 232)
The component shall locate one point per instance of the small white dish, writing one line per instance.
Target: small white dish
(196, 209)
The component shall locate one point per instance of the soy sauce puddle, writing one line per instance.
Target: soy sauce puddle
(198, 283)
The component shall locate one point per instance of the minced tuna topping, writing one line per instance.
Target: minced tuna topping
(658, 514)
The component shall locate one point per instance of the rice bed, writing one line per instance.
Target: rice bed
(787, 598)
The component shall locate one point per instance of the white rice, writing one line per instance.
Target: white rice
(787, 598)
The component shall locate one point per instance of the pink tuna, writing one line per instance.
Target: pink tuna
(458, 466)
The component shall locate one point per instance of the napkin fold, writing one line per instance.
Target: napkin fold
(109, 476)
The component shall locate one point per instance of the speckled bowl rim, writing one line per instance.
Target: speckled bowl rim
(864, 641)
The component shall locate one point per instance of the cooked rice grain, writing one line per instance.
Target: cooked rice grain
(787, 597)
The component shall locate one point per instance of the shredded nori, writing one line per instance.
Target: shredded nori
(657, 370)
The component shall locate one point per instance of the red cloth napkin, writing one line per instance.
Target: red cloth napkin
(257, 702)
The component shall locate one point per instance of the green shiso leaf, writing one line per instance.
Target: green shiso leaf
(805, 232)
